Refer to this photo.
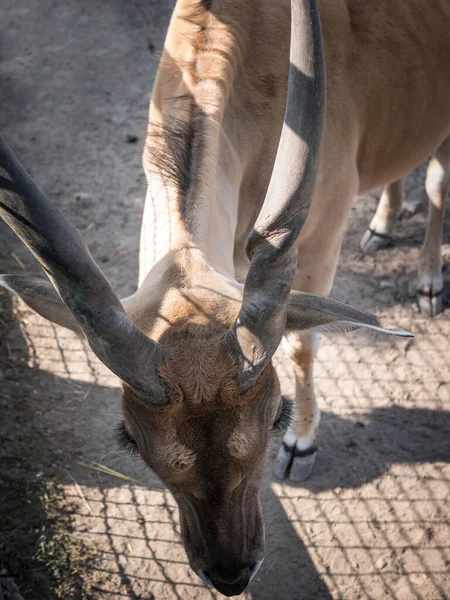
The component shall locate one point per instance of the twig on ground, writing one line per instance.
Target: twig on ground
(107, 471)
(80, 491)
(18, 261)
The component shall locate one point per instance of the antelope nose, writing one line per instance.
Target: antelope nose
(234, 588)
(235, 584)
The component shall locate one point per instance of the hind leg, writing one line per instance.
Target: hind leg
(378, 235)
(430, 283)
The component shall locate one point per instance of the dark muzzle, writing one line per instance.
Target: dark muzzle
(233, 581)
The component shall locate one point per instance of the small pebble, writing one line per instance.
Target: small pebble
(83, 200)
(381, 563)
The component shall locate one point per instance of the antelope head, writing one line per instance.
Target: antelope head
(193, 350)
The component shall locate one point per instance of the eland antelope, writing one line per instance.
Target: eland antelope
(237, 152)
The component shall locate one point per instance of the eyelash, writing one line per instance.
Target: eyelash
(125, 441)
(284, 419)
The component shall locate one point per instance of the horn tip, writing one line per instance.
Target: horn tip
(400, 333)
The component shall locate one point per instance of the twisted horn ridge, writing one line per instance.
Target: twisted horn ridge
(257, 332)
(66, 260)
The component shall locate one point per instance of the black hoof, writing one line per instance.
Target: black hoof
(372, 241)
(294, 464)
(430, 304)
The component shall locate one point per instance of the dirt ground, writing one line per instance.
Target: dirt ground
(372, 522)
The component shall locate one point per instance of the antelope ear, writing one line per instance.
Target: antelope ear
(41, 296)
(308, 311)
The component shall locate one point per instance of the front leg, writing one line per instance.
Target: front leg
(295, 459)
(318, 252)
